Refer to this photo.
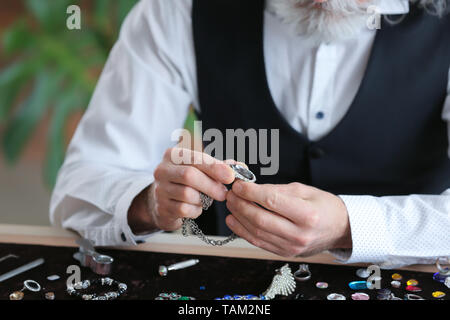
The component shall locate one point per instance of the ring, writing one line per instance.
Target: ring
(32, 286)
(442, 271)
(206, 201)
(303, 273)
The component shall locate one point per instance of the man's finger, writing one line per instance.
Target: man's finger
(215, 169)
(272, 198)
(198, 180)
(243, 233)
(254, 217)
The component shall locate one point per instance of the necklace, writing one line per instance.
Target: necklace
(240, 173)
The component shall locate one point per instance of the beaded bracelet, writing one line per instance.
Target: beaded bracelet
(111, 295)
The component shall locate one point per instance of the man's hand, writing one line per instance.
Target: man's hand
(288, 220)
(175, 193)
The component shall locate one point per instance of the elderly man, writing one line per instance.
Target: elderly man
(363, 116)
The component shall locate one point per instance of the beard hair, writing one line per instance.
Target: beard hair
(333, 20)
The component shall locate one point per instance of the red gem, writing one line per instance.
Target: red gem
(413, 289)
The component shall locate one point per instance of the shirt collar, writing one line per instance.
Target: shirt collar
(392, 6)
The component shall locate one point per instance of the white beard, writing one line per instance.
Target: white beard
(333, 20)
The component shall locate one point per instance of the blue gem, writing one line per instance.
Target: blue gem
(439, 277)
(228, 298)
(202, 288)
(358, 285)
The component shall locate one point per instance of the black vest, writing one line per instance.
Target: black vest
(392, 141)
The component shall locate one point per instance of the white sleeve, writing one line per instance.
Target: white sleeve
(140, 99)
(394, 231)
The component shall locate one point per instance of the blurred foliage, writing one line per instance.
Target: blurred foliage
(53, 71)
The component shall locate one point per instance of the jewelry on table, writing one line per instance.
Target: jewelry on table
(242, 297)
(283, 283)
(363, 273)
(50, 295)
(443, 271)
(360, 296)
(111, 295)
(22, 269)
(303, 273)
(358, 285)
(87, 256)
(447, 282)
(53, 277)
(9, 256)
(173, 296)
(163, 270)
(240, 173)
(410, 296)
(336, 296)
(30, 285)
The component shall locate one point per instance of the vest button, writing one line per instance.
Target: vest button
(316, 152)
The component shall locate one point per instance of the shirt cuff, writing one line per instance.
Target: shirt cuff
(123, 234)
(368, 231)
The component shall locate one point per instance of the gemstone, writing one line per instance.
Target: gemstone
(360, 296)
(384, 291)
(322, 285)
(362, 273)
(336, 296)
(412, 282)
(383, 297)
(17, 295)
(358, 285)
(397, 276)
(53, 277)
(50, 295)
(439, 277)
(413, 288)
(396, 284)
(438, 294)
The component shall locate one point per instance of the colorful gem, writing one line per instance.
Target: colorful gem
(17, 295)
(439, 277)
(322, 285)
(362, 273)
(397, 276)
(360, 296)
(438, 294)
(384, 291)
(413, 288)
(358, 285)
(396, 284)
(50, 295)
(336, 296)
(412, 282)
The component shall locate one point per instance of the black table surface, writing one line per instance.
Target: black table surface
(212, 277)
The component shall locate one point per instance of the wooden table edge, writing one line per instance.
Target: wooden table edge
(166, 243)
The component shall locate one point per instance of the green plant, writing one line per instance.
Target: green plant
(52, 71)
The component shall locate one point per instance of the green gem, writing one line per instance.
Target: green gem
(184, 298)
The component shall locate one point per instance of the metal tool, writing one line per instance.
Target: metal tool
(21, 269)
(163, 270)
(9, 256)
(88, 257)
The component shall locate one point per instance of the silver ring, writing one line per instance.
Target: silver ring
(207, 201)
(443, 271)
(303, 273)
(243, 173)
(32, 285)
(411, 296)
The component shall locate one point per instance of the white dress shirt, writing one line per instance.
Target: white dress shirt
(144, 94)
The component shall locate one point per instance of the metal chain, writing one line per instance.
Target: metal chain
(190, 223)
